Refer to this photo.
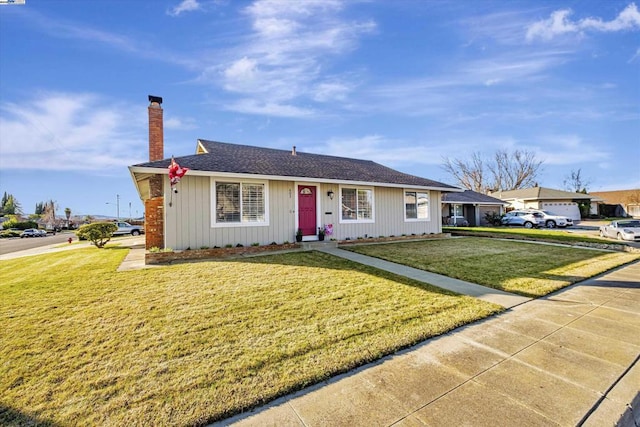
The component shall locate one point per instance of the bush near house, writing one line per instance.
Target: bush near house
(98, 233)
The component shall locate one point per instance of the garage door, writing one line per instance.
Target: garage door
(568, 209)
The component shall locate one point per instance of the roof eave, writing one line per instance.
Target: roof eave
(165, 171)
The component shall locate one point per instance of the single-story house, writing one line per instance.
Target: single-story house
(628, 200)
(469, 208)
(556, 201)
(238, 194)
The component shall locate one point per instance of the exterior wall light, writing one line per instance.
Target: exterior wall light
(330, 194)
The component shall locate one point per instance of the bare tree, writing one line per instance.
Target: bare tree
(505, 171)
(49, 214)
(575, 182)
(469, 174)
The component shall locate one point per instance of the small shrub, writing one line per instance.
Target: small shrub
(98, 233)
(493, 218)
(255, 244)
(9, 233)
(154, 250)
(286, 242)
(166, 250)
(273, 243)
(204, 247)
(239, 245)
(228, 245)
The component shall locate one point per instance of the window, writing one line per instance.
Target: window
(416, 205)
(357, 204)
(240, 203)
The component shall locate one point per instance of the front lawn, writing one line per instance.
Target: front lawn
(566, 235)
(82, 344)
(528, 269)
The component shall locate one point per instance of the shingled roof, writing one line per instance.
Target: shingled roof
(473, 197)
(245, 159)
(540, 193)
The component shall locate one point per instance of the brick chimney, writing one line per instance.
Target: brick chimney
(156, 129)
(154, 205)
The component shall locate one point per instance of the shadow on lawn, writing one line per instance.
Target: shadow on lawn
(14, 417)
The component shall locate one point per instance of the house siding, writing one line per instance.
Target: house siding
(188, 219)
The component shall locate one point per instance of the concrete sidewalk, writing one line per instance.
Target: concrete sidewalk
(570, 358)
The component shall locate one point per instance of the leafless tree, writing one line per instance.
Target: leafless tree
(575, 182)
(49, 215)
(504, 171)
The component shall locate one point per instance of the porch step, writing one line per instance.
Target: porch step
(317, 245)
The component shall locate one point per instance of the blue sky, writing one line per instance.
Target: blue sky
(403, 83)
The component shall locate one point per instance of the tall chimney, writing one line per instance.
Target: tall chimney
(156, 129)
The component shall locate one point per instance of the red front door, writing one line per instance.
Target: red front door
(307, 210)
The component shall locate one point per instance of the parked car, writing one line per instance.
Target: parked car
(523, 218)
(126, 228)
(32, 232)
(552, 220)
(622, 230)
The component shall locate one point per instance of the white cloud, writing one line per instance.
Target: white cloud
(184, 6)
(283, 59)
(635, 56)
(254, 106)
(569, 150)
(559, 23)
(70, 131)
(178, 123)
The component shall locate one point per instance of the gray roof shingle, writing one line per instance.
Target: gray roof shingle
(246, 159)
(469, 196)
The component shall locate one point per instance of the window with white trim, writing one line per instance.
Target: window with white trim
(240, 203)
(357, 204)
(416, 206)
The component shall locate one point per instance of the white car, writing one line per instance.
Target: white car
(622, 230)
(552, 220)
(524, 218)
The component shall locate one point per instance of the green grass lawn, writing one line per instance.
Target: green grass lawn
(525, 268)
(82, 344)
(555, 235)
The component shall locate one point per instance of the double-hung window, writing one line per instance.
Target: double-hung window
(357, 204)
(416, 206)
(239, 203)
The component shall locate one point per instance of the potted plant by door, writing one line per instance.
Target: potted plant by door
(299, 235)
(321, 233)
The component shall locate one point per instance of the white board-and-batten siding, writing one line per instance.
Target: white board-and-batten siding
(188, 221)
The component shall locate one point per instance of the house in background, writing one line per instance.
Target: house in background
(556, 201)
(625, 202)
(469, 208)
(238, 194)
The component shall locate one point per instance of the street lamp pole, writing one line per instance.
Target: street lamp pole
(117, 207)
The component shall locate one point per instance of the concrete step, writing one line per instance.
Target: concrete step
(317, 245)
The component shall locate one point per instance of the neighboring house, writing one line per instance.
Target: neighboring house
(556, 201)
(628, 200)
(238, 194)
(469, 208)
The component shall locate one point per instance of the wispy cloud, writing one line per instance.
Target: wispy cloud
(184, 6)
(285, 57)
(569, 150)
(559, 23)
(70, 131)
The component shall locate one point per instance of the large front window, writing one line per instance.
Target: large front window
(416, 205)
(357, 204)
(240, 203)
